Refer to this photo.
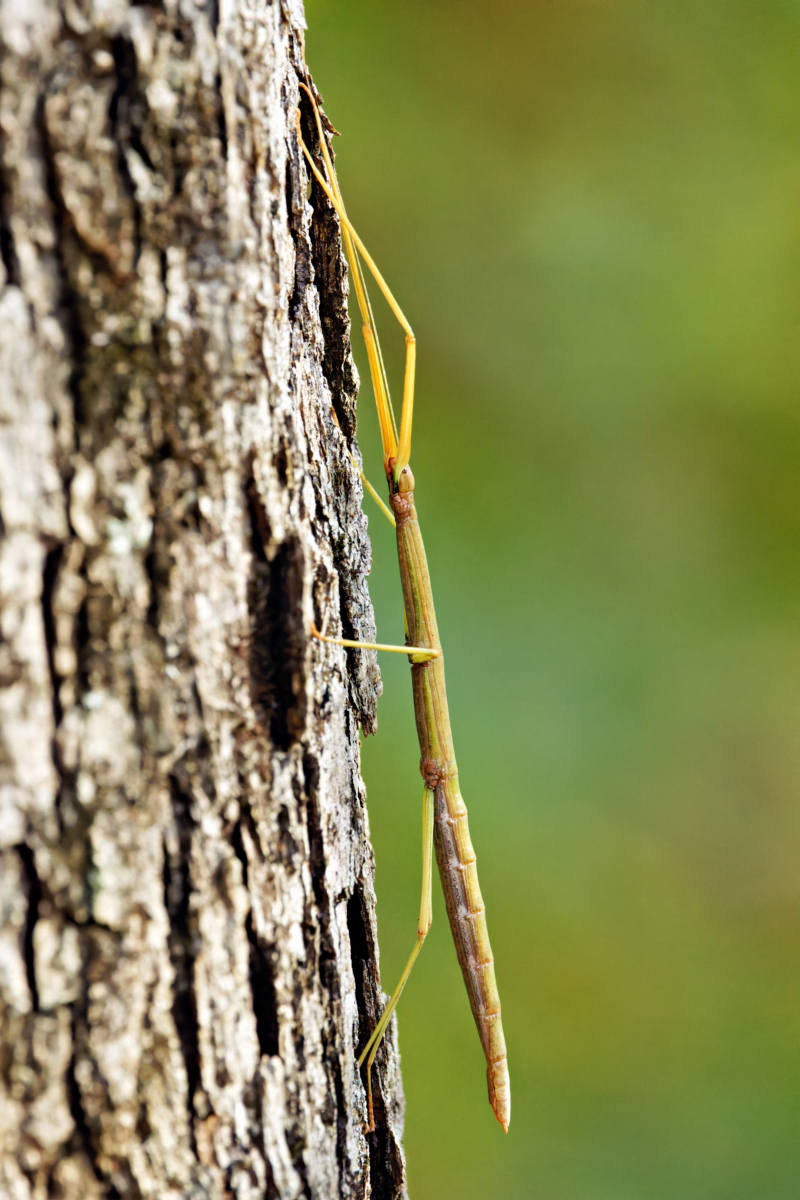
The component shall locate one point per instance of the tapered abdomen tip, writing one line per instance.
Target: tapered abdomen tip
(500, 1091)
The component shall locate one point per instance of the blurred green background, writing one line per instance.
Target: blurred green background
(589, 209)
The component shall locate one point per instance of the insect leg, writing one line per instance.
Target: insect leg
(424, 924)
(399, 450)
(417, 654)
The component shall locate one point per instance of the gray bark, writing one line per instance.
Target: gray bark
(188, 952)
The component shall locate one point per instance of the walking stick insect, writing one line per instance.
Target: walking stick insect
(444, 819)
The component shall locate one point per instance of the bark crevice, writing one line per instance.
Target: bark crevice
(183, 939)
(34, 897)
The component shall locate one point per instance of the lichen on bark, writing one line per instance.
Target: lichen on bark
(188, 952)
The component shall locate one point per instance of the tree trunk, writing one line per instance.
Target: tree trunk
(188, 954)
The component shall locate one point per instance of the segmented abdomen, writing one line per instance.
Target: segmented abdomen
(466, 912)
(454, 852)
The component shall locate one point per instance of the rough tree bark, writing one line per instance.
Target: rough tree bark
(188, 950)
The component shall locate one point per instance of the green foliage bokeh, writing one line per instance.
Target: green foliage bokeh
(589, 210)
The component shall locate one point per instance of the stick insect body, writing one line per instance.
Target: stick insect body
(444, 819)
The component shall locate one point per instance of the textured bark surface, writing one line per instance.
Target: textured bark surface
(188, 947)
